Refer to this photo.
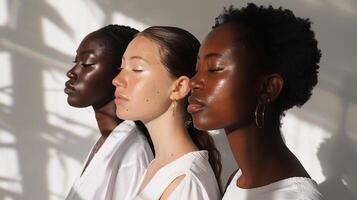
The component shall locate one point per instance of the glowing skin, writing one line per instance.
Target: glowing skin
(90, 78)
(223, 91)
(143, 86)
(89, 83)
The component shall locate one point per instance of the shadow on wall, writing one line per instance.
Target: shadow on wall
(333, 153)
(27, 117)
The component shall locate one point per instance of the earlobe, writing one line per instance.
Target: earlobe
(180, 88)
(272, 87)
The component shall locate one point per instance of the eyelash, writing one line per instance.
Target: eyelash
(215, 69)
(87, 65)
(84, 65)
(137, 70)
(134, 70)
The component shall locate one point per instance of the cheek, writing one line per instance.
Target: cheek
(148, 99)
(82, 97)
(226, 105)
(97, 88)
(219, 106)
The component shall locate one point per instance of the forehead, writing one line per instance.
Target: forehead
(143, 47)
(225, 37)
(94, 41)
(144, 44)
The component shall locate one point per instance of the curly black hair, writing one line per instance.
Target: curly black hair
(289, 48)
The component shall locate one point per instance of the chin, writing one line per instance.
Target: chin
(76, 104)
(124, 115)
(202, 125)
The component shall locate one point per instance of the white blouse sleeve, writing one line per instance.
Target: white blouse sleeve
(127, 181)
(197, 188)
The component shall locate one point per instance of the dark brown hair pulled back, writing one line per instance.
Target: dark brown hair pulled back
(178, 52)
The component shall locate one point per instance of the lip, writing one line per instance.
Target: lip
(119, 99)
(195, 105)
(69, 87)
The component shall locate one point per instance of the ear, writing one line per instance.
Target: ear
(271, 88)
(180, 88)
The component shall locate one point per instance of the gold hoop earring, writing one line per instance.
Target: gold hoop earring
(260, 124)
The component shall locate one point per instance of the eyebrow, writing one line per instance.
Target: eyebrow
(89, 51)
(211, 55)
(136, 57)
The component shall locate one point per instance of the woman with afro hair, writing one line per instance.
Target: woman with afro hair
(255, 64)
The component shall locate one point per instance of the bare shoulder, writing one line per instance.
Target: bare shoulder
(173, 185)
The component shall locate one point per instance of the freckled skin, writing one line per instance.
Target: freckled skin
(141, 88)
(228, 94)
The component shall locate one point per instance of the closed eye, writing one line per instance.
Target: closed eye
(215, 69)
(137, 70)
(88, 65)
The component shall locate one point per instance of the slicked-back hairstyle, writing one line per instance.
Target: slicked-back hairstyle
(178, 53)
(288, 47)
(178, 49)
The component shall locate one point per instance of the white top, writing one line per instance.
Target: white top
(295, 188)
(199, 182)
(116, 169)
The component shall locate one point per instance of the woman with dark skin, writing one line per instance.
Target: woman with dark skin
(122, 153)
(256, 63)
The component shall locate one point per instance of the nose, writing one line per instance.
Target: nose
(196, 82)
(119, 81)
(71, 73)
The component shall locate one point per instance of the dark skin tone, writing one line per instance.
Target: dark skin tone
(90, 84)
(225, 92)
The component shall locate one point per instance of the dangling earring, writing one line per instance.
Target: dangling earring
(174, 108)
(262, 115)
(261, 124)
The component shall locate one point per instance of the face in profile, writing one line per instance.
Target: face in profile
(223, 91)
(143, 86)
(90, 78)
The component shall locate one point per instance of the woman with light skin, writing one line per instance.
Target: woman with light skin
(152, 87)
(255, 64)
(120, 156)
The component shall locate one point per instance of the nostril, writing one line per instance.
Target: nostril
(70, 74)
(194, 84)
(117, 83)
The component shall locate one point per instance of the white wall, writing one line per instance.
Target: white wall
(43, 141)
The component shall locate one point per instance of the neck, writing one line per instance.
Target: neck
(170, 136)
(257, 153)
(106, 118)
